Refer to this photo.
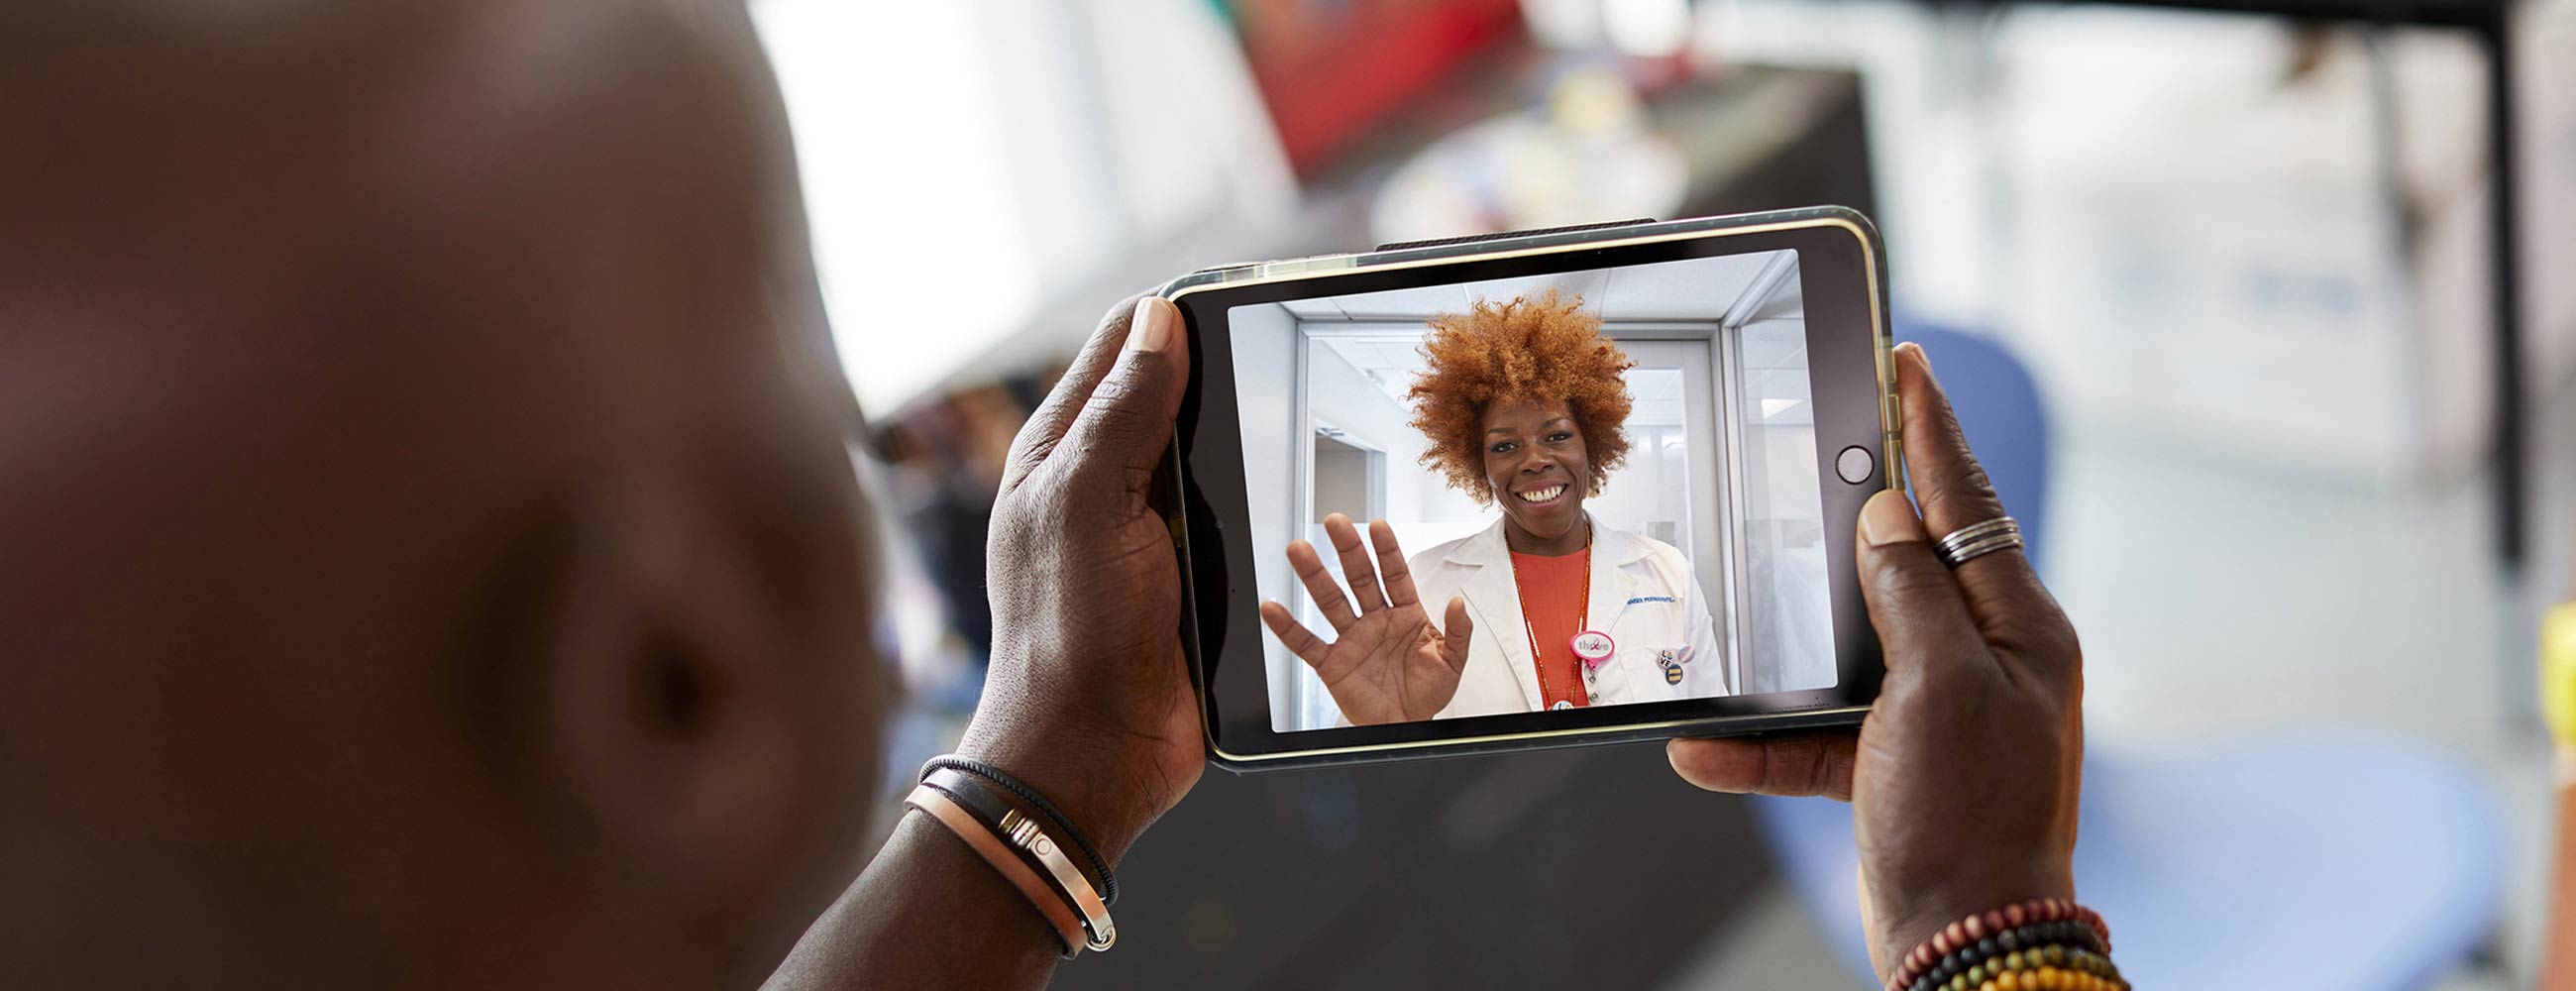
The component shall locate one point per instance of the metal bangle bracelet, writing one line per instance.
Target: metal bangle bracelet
(1978, 539)
(1072, 834)
(1026, 833)
(1025, 830)
(1068, 926)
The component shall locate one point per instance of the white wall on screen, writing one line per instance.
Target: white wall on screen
(1266, 337)
(1341, 396)
(1790, 619)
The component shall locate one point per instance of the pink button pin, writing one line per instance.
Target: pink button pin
(1593, 647)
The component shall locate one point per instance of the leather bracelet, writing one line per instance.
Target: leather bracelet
(1028, 839)
(989, 846)
(1064, 829)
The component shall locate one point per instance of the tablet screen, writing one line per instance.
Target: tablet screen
(1615, 469)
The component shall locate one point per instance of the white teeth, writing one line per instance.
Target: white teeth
(1541, 495)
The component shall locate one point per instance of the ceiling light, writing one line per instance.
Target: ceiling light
(1775, 407)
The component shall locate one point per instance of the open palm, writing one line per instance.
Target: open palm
(1387, 663)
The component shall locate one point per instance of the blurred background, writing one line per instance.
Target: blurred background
(2262, 313)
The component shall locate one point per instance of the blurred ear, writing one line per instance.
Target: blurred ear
(657, 722)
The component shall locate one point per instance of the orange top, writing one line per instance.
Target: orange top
(1552, 596)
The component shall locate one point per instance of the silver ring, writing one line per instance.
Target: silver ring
(1977, 540)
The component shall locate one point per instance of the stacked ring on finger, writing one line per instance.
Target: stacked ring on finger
(1977, 540)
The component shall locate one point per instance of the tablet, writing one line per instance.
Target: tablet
(1600, 483)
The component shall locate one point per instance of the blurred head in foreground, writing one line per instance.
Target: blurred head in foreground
(428, 552)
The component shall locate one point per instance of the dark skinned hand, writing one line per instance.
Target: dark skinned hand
(1386, 663)
(1963, 778)
(1089, 698)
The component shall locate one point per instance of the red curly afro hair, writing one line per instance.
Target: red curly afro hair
(1540, 349)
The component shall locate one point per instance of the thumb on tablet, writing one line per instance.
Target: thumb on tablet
(1127, 423)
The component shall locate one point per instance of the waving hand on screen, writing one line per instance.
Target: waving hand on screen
(1388, 664)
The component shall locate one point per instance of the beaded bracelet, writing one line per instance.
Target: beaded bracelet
(1974, 930)
(1993, 947)
(2048, 979)
(2049, 968)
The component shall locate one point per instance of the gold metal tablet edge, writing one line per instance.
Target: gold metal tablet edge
(1501, 737)
(1871, 257)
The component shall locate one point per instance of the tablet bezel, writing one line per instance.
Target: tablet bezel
(1840, 268)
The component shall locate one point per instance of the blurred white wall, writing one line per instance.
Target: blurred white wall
(967, 164)
(918, 240)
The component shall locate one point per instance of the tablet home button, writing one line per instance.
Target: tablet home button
(1854, 464)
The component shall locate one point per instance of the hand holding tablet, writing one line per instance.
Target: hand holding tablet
(1088, 699)
(1964, 779)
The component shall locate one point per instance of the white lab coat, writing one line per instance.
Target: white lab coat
(1644, 595)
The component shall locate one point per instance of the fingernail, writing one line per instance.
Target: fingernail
(1888, 519)
(1150, 329)
(1919, 354)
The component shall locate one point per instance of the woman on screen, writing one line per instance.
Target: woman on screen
(1548, 608)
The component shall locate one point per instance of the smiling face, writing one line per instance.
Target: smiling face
(1537, 464)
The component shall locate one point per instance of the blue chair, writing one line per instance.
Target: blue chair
(2328, 863)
